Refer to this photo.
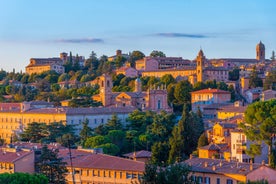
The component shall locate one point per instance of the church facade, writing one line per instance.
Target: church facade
(154, 99)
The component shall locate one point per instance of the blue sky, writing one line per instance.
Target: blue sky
(44, 28)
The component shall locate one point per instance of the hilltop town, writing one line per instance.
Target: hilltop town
(115, 119)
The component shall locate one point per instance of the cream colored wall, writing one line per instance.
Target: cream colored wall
(226, 115)
(6, 167)
(223, 178)
(85, 175)
(174, 73)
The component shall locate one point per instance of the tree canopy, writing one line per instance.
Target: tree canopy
(50, 165)
(260, 125)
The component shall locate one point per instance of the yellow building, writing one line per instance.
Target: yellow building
(15, 160)
(39, 65)
(221, 151)
(230, 111)
(216, 171)
(100, 168)
(221, 132)
(14, 117)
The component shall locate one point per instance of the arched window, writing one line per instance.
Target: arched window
(108, 83)
(159, 104)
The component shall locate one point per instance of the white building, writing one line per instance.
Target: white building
(239, 143)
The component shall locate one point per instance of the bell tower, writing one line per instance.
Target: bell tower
(200, 60)
(138, 85)
(106, 85)
(260, 52)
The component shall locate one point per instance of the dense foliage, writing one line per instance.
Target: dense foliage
(50, 165)
(260, 126)
(23, 178)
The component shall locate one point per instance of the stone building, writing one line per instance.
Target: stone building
(15, 117)
(155, 99)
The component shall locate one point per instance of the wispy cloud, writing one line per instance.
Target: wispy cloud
(183, 35)
(81, 40)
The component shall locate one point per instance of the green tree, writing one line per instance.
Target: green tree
(173, 174)
(63, 77)
(167, 79)
(85, 132)
(23, 178)
(234, 74)
(117, 137)
(182, 93)
(202, 141)
(270, 81)
(255, 80)
(50, 165)
(156, 53)
(95, 141)
(260, 125)
(185, 135)
(114, 123)
(109, 148)
(134, 56)
(35, 132)
(160, 153)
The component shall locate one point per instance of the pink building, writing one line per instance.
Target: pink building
(205, 97)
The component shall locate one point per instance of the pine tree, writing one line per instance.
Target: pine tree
(51, 166)
(85, 132)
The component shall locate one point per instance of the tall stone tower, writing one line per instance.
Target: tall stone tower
(105, 83)
(260, 51)
(138, 85)
(200, 60)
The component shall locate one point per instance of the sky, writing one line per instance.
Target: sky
(180, 28)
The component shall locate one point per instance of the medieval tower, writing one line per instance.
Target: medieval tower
(105, 82)
(260, 51)
(200, 60)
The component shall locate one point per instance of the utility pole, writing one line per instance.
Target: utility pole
(71, 163)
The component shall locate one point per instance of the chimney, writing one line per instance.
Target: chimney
(251, 166)
(191, 156)
(214, 167)
(263, 162)
(220, 163)
(205, 164)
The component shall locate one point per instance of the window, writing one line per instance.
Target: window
(102, 120)
(199, 179)
(159, 104)
(207, 180)
(229, 181)
(218, 180)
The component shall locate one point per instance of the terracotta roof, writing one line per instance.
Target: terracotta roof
(232, 108)
(83, 159)
(172, 69)
(11, 157)
(211, 91)
(215, 69)
(213, 147)
(139, 154)
(81, 111)
(9, 106)
(206, 165)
